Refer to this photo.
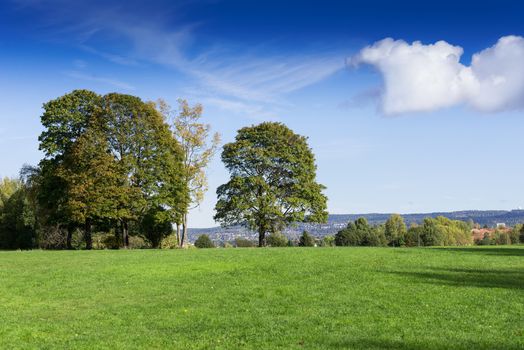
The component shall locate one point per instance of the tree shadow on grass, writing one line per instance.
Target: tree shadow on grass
(486, 251)
(487, 278)
(391, 344)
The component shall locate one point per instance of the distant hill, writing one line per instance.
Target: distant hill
(338, 221)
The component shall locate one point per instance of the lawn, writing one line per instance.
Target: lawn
(311, 298)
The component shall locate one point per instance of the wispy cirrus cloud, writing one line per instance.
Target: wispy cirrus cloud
(244, 82)
(98, 79)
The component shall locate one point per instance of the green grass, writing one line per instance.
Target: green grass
(312, 298)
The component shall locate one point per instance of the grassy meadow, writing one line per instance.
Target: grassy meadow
(299, 298)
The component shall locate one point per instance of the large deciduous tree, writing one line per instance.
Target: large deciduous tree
(148, 158)
(198, 147)
(273, 181)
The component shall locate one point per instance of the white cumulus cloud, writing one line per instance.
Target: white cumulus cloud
(419, 77)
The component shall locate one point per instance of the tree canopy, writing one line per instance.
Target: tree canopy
(272, 183)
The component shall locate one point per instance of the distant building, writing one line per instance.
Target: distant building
(501, 225)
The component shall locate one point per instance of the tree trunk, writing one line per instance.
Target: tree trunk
(261, 238)
(125, 234)
(87, 235)
(178, 234)
(69, 237)
(183, 239)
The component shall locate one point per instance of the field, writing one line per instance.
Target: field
(311, 298)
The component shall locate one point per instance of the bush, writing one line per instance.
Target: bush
(106, 241)
(169, 242)
(137, 242)
(244, 243)
(327, 241)
(306, 240)
(203, 241)
(277, 240)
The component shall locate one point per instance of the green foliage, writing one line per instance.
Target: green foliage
(360, 233)
(203, 241)
(277, 239)
(272, 183)
(154, 227)
(327, 241)
(306, 240)
(521, 236)
(16, 218)
(108, 158)
(244, 243)
(169, 242)
(395, 230)
(442, 231)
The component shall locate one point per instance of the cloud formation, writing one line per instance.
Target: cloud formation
(420, 78)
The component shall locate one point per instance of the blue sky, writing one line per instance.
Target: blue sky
(396, 126)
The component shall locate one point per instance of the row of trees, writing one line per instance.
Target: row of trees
(117, 165)
(112, 163)
(438, 231)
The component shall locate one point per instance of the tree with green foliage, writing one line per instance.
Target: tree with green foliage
(65, 119)
(155, 227)
(273, 181)
(148, 158)
(441, 231)
(198, 147)
(17, 225)
(395, 230)
(360, 233)
(93, 179)
(306, 240)
(203, 241)
(521, 237)
(109, 157)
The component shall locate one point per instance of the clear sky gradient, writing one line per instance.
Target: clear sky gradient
(396, 126)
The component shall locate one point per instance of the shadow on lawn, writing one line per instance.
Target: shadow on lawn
(487, 278)
(365, 343)
(486, 251)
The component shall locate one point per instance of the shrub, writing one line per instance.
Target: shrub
(327, 241)
(203, 241)
(169, 242)
(277, 239)
(137, 242)
(306, 240)
(244, 243)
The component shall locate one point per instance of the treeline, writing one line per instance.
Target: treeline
(114, 171)
(439, 231)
